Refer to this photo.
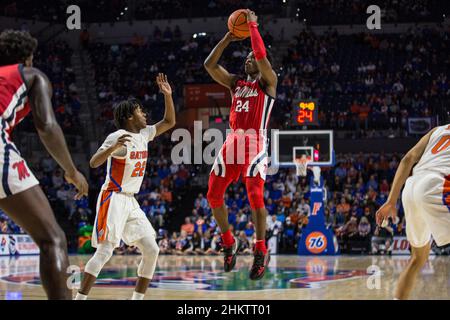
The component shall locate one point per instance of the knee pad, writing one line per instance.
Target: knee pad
(150, 250)
(102, 255)
(255, 191)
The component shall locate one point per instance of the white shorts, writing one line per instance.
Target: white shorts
(426, 200)
(119, 217)
(16, 175)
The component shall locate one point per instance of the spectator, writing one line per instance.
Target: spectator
(188, 227)
(382, 239)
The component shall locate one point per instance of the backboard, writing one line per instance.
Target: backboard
(317, 145)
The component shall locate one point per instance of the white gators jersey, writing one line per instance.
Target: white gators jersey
(125, 173)
(436, 157)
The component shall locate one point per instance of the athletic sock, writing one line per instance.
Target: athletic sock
(137, 296)
(261, 246)
(227, 238)
(80, 296)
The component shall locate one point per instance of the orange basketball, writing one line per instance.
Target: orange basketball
(237, 24)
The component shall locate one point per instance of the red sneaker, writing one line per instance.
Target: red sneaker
(259, 266)
(230, 254)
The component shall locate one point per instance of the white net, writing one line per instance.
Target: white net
(302, 165)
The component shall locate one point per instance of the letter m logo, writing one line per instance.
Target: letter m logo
(21, 170)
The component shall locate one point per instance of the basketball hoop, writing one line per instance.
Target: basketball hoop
(302, 165)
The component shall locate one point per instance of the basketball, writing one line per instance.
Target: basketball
(237, 24)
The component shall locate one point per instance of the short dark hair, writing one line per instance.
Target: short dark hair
(16, 47)
(123, 110)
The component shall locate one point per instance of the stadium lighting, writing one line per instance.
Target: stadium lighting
(126, 8)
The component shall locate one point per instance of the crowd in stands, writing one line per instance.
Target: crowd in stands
(53, 59)
(56, 11)
(367, 83)
(310, 11)
(355, 12)
(355, 188)
(180, 9)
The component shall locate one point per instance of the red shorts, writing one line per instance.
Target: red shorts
(241, 155)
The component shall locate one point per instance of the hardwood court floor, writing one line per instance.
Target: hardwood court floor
(199, 277)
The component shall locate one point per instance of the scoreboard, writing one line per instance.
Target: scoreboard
(306, 112)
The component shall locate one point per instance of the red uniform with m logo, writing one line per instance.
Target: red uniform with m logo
(14, 107)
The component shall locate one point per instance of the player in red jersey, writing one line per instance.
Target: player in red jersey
(244, 151)
(24, 89)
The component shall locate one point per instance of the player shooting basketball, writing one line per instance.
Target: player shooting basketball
(253, 99)
(24, 89)
(426, 201)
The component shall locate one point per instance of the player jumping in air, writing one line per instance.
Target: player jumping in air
(24, 89)
(426, 201)
(252, 104)
(118, 213)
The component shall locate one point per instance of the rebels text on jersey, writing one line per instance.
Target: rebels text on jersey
(251, 107)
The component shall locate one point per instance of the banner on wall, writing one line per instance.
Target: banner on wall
(17, 244)
(400, 246)
(420, 125)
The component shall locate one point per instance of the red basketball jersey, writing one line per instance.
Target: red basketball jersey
(251, 106)
(14, 104)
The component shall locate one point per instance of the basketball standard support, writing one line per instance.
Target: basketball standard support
(316, 239)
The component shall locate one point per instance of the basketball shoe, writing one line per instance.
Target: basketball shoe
(260, 263)
(230, 254)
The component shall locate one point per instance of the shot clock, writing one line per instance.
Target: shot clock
(306, 112)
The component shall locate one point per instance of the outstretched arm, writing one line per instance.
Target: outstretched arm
(215, 70)
(50, 133)
(403, 172)
(269, 76)
(168, 121)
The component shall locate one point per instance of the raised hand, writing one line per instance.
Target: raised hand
(123, 139)
(231, 37)
(163, 84)
(251, 16)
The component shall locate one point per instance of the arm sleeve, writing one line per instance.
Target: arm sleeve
(149, 132)
(257, 42)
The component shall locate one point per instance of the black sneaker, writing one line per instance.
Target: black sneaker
(259, 266)
(230, 254)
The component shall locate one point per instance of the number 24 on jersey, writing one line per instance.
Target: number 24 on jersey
(242, 106)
